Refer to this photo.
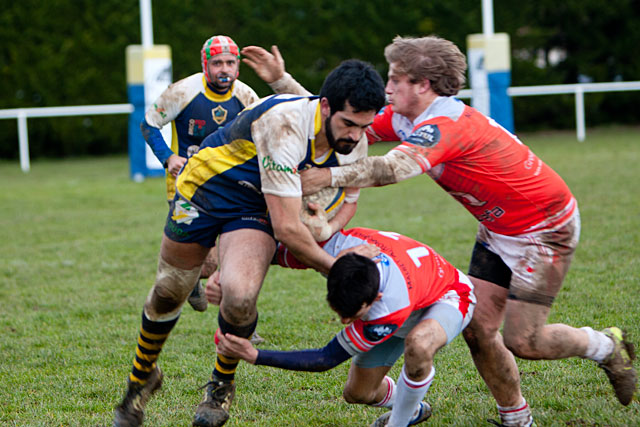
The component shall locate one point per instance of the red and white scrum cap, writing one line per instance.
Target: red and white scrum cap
(217, 45)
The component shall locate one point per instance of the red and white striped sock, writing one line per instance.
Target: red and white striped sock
(516, 416)
(388, 399)
(409, 394)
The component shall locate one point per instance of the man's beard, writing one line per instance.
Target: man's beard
(342, 145)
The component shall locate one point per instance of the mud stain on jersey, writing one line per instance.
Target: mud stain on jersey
(277, 129)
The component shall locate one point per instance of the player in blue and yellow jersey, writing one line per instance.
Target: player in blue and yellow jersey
(196, 106)
(243, 185)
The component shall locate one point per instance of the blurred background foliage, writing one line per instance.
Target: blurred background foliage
(60, 52)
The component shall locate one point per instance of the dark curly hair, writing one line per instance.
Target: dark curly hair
(354, 81)
(353, 280)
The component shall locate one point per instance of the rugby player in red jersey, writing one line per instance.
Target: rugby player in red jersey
(409, 300)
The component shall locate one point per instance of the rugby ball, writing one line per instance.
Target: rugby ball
(329, 198)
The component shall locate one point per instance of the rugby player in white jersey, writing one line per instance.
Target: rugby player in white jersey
(243, 186)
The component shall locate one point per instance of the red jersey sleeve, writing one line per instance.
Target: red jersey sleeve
(382, 127)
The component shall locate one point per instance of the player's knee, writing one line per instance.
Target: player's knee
(524, 347)
(170, 290)
(238, 308)
(420, 346)
(163, 300)
(479, 330)
(479, 335)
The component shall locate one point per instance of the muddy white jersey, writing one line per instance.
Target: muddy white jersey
(260, 152)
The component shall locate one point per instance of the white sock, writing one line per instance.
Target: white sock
(519, 415)
(600, 346)
(409, 394)
(390, 397)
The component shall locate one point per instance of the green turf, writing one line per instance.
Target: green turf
(78, 256)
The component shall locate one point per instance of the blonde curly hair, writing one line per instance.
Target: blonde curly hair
(429, 58)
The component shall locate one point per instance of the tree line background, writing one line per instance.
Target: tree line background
(62, 52)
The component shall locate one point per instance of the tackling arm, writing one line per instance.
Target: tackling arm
(395, 166)
(312, 360)
(374, 171)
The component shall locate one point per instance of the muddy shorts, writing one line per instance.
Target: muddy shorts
(532, 266)
(186, 224)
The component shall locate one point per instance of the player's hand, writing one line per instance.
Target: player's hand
(315, 219)
(191, 150)
(212, 290)
(315, 179)
(236, 347)
(175, 163)
(268, 66)
(366, 250)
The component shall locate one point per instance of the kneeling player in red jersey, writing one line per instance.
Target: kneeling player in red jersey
(408, 300)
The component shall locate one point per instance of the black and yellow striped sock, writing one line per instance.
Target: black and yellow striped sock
(150, 341)
(225, 368)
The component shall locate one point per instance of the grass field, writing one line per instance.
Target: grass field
(78, 255)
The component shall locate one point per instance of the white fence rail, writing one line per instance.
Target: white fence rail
(83, 110)
(578, 89)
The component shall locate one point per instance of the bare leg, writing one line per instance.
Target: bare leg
(178, 269)
(420, 346)
(366, 385)
(527, 336)
(245, 256)
(494, 361)
(172, 285)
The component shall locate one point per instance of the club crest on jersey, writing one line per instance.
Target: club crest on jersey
(184, 213)
(426, 136)
(384, 260)
(219, 114)
(377, 332)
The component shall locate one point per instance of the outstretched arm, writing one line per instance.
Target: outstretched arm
(395, 166)
(269, 66)
(312, 360)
